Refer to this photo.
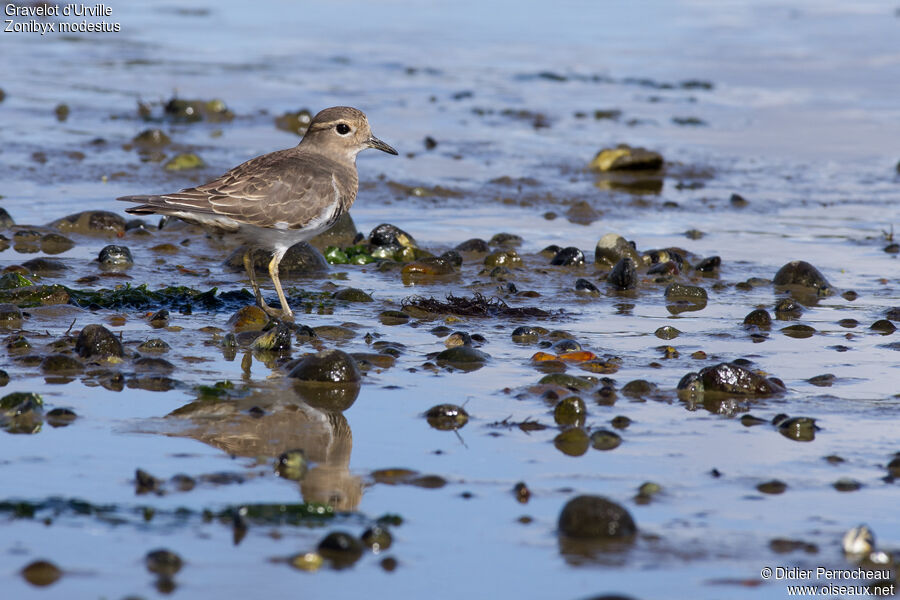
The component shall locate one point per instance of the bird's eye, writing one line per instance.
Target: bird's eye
(342, 128)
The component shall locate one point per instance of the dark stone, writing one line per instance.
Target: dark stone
(738, 201)
(758, 318)
(883, 326)
(525, 334)
(596, 517)
(328, 366)
(568, 257)
(473, 245)
(6, 221)
(300, 259)
(388, 235)
(163, 562)
(612, 248)
(98, 342)
(61, 364)
(464, 358)
(624, 275)
(506, 240)
(91, 222)
(801, 275)
(583, 285)
(786, 309)
(342, 549)
(729, 378)
(452, 257)
(55, 243)
(44, 267)
(150, 364)
(341, 234)
(690, 293)
(115, 257)
(277, 339)
(10, 316)
(709, 265)
(352, 295)
(447, 417)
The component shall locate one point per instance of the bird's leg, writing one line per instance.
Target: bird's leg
(286, 313)
(248, 266)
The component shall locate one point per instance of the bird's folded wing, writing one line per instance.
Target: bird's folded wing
(274, 190)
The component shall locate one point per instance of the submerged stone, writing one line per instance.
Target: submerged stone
(92, 223)
(113, 256)
(328, 366)
(800, 275)
(388, 235)
(447, 417)
(612, 248)
(596, 518)
(623, 275)
(729, 378)
(464, 358)
(341, 548)
(625, 158)
(568, 257)
(98, 342)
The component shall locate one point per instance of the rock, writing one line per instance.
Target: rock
(503, 258)
(352, 295)
(464, 358)
(6, 221)
(709, 265)
(729, 378)
(582, 213)
(802, 276)
(473, 245)
(184, 161)
(342, 549)
(61, 364)
(506, 240)
(690, 293)
(431, 266)
(758, 318)
(113, 256)
(612, 248)
(296, 122)
(625, 158)
(603, 439)
(342, 234)
(248, 318)
(13, 280)
(277, 339)
(151, 139)
(447, 417)
(570, 411)
(572, 442)
(388, 235)
(162, 562)
(41, 573)
(44, 267)
(568, 257)
(300, 259)
(527, 335)
(98, 342)
(596, 518)
(10, 316)
(584, 286)
(328, 366)
(214, 110)
(624, 275)
(55, 243)
(92, 223)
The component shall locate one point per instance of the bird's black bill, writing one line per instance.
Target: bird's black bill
(374, 142)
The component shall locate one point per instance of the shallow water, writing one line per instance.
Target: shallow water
(801, 120)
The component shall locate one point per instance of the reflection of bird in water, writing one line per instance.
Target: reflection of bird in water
(288, 423)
